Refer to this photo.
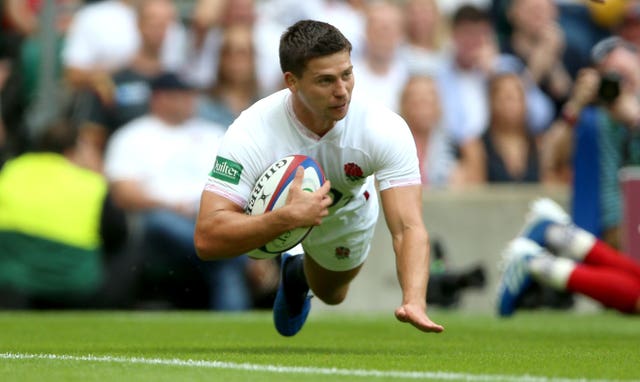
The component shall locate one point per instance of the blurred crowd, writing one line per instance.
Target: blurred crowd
(111, 112)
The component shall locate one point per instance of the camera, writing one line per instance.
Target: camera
(609, 88)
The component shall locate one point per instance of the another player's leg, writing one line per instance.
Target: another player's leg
(524, 259)
(549, 226)
(516, 277)
(612, 287)
(543, 213)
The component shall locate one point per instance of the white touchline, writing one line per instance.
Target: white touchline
(423, 375)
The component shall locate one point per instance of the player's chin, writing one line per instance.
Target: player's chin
(339, 112)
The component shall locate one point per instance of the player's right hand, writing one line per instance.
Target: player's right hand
(308, 208)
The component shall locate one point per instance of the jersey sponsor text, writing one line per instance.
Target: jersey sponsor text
(226, 170)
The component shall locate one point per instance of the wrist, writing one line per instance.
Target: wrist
(570, 114)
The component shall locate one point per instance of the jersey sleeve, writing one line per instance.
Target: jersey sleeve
(238, 164)
(396, 156)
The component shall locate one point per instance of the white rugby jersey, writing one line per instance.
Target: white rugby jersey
(370, 140)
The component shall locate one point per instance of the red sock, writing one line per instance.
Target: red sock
(602, 254)
(611, 287)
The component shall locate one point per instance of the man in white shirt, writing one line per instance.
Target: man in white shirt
(104, 37)
(352, 141)
(381, 70)
(463, 80)
(155, 165)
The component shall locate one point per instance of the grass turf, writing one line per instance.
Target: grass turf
(552, 345)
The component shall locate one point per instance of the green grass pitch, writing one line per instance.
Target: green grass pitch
(204, 346)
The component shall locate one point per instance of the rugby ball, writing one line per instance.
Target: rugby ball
(270, 193)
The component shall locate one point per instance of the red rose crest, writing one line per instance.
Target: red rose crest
(342, 252)
(353, 171)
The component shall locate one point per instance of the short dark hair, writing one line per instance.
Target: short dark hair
(57, 137)
(306, 40)
(470, 14)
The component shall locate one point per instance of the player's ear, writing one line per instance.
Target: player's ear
(291, 81)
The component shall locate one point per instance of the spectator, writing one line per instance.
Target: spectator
(420, 107)
(237, 86)
(54, 230)
(210, 19)
(381, 71)
(349, 17)
(427, 41)
(540, 42)
(506, 152)
(580, 31)
(131, 83)
(449, 7)
(463, 79)
(103, 37)
(20, 16)
(346, 15)
(156, 164)
(605, 110)
(629, 27)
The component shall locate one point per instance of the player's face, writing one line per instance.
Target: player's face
(323, 92)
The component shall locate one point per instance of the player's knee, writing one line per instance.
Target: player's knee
(331, 297)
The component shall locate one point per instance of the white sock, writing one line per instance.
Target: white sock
(551, 270)
(569, 240)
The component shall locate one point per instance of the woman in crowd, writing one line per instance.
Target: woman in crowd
(506, 152)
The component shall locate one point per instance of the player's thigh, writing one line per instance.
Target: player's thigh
(329, 286)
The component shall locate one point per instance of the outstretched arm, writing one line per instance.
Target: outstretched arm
(403, 212)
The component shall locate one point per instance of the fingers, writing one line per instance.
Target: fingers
(308, 207)
(418, 320)
(297, 179)
(324, 191)
(430, 327)
(326, 187)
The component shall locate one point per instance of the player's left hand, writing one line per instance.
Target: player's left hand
(417, 317)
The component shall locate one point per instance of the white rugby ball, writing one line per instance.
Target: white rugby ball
(270, 193)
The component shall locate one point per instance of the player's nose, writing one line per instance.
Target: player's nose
(341, 89)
